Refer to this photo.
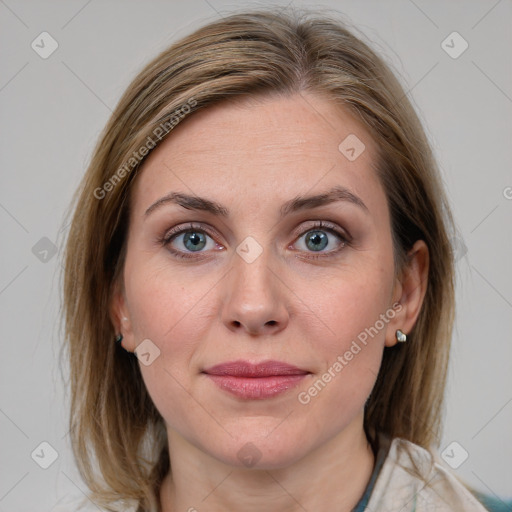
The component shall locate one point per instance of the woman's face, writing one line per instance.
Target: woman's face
(257, 279)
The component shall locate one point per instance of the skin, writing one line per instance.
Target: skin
(285, 305)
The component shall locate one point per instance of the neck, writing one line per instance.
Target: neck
(334, 475)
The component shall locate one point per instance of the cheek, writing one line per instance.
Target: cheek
(351, 303)
(161, 312)
(353, 308)
(172, 311)
(163, 301)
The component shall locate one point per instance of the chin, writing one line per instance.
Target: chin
(260, 451)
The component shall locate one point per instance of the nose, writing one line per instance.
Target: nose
(254, 298)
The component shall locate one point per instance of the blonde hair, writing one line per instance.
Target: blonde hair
(118, 436)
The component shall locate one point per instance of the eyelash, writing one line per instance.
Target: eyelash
(167, 238)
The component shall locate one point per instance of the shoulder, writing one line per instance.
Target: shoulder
(412, 480)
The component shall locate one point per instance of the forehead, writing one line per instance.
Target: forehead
(261, 145)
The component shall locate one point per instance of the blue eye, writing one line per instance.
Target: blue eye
(316, 239)
(195, 238)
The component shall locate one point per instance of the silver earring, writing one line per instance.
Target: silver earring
(400, 336)
(119, 339)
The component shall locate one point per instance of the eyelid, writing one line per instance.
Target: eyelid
(188, 226)
(300, 231)
(322, 224)
(170, 234)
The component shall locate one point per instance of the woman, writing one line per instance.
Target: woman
(259, 283)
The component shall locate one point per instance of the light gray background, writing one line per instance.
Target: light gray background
(53, 110)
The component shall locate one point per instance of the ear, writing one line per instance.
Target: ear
(120, 316)
(409, 291)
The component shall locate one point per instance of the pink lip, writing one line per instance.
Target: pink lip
(255, 381)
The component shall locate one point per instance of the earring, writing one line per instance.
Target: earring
(400, 336)
(119, 337)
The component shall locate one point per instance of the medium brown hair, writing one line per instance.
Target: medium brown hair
(118, 436)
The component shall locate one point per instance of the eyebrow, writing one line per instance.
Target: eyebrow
(296, 204)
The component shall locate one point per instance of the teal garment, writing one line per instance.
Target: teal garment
(493, 504)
